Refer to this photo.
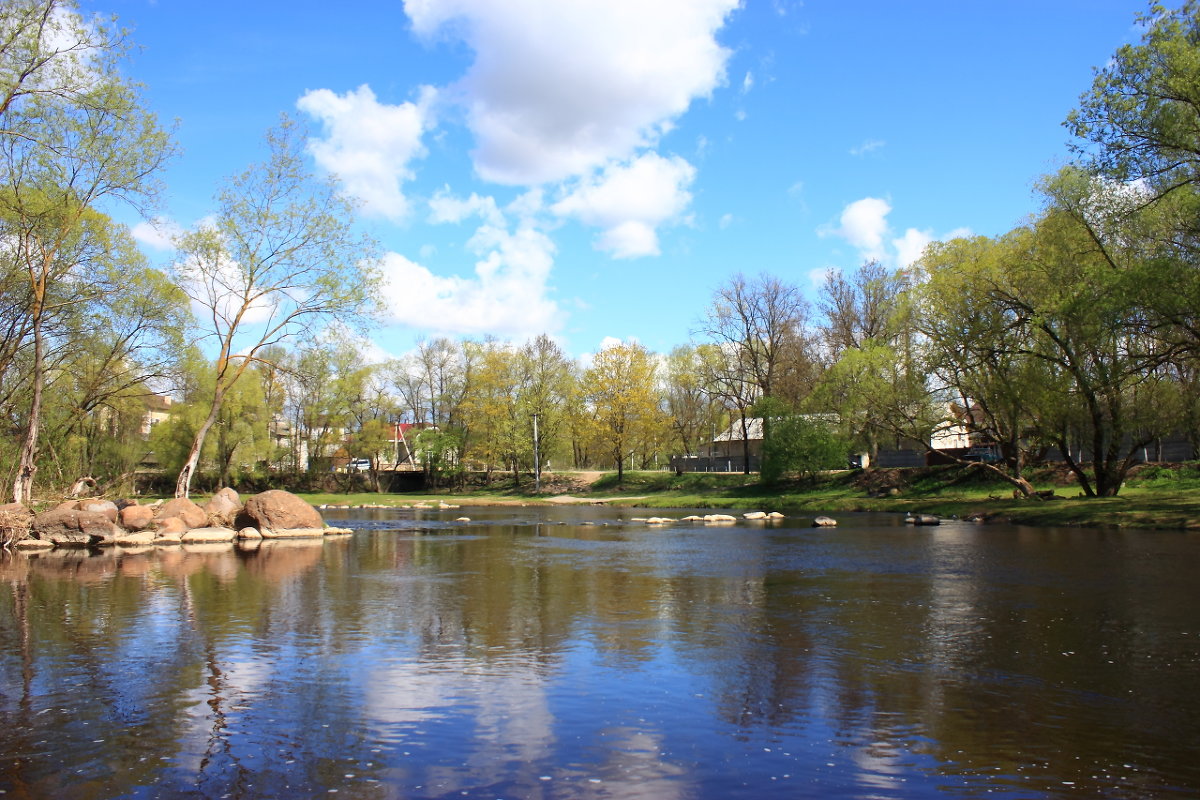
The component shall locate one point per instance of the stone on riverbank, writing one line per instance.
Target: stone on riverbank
(70, 527)
(276, 510)
(193, 516)
(223, 507)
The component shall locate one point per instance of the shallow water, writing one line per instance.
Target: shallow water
(573, 653)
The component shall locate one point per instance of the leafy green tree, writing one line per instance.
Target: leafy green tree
(799, 443)
(74, 134)
(280, 258)
(620, 391)
(693, 410)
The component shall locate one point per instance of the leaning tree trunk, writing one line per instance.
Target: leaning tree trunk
(27, 464)
(184, 483)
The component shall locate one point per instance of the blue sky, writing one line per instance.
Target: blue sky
(594, 169)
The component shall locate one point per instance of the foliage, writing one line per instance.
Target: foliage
(798, 443)
(280, 257)
(625, 412)
(440, 454)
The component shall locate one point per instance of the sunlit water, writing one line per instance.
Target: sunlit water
(572, 653)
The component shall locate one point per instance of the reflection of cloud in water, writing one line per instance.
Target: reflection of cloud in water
(510, 730)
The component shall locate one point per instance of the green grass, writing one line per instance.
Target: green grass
(1166, 497)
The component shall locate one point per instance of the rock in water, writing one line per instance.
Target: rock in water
(279, 510)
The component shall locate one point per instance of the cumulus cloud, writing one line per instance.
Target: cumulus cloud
(864, 224)
(157, 234)
(559, 89)
(445, 207)
(369, 144)
(506, 297)
(629, 201)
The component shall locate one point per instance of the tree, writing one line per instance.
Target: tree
(545, 383)
(619, 389)
(868, 306)
(692, 409)
(802, 443)
(280, 258)
(1141, 118)
(73, 135)
(764, 321)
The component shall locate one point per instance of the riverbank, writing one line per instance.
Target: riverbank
(1155, 496)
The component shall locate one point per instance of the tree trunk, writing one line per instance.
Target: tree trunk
(184, 482)
(27, 464)
(745, 446)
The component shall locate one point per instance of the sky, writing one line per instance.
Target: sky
(595, 169)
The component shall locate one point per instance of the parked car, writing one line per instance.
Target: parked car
(358, 465)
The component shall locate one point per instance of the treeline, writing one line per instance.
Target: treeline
(1076, 334)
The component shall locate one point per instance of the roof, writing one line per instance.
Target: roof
(734, 432)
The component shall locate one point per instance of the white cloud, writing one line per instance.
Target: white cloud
(868, 146)
(819, 275)
(747, 82)
(911, 245)
(369, 144)
(864, 224)
(445, 207)
(560, 89)
(157, 234)
(506, 297)
(630, 201)
(725, 221)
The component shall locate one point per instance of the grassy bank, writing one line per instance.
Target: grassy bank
(1165, 497)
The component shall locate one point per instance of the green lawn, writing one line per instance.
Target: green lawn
(1154, 497)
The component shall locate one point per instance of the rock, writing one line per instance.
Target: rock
(208, 535)
(824, 522)
(66, 526)
(136, 518)
(32, 544)
(192, 515)
(170, 526)
(67, 505)
(168, 537)
(292, 533)
(659, 521)
(754, 515)
(331, 531)
(280, 510)
(922, 519)
(249, 534)
(719, 518)
(106, 507)
(135, 538)
(223, 507)
(775, 515)
(463, 519)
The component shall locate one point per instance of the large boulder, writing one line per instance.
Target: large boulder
(192, 515)
(106, 507)
(208, 535)
(223, 507)
(67, 526)
(279, 510)
(136, 518)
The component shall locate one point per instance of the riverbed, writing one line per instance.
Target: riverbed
(573, 652)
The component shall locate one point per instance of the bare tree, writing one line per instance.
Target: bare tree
(281, 258)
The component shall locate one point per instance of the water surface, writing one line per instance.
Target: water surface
(574, 653)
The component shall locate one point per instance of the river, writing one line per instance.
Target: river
(574, 653)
